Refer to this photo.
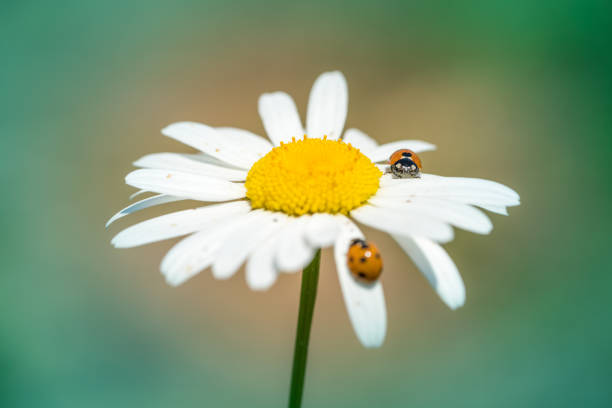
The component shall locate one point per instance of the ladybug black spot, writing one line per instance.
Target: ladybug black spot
(377, 256)
(406, 154)
(351, 259)
(362, 259)
(406, 162)
(362, 274)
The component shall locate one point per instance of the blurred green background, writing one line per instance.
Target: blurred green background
(518, 92)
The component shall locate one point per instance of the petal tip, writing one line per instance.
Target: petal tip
(172, 282)
(110, 221)
(457, 304)
(168, 130)
(374, 343)
(454, 301)
(258, 287)
(335, 73)
(221, 272)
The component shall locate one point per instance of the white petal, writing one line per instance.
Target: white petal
(186, 164)
(469, 191)
(497, 209)
(438, 268)
(482, 183)
(136, 194)
(236, 248)
(467, 197)
(397, 222)
(365, 303)
(360, 140)
(383, 152)
(327, 106)
(280, 117)
(198, 251)
(247, 143)
(177, 224)
(209, 141)
(205, 158)
(455, 184)
(261, 271)
(321, 230)
(185, 185)
(457, 214)
(142, 204)
(293, 251)
(473, 183)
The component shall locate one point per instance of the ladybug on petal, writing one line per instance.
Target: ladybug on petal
(364, 260)
(405, 163)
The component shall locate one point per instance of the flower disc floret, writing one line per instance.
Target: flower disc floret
(312, 176)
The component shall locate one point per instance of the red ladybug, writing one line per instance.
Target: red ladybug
(405, 163)
(364, 260)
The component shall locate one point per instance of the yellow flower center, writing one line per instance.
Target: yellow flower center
(312, 176)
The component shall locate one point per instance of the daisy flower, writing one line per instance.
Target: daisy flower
(272, 204)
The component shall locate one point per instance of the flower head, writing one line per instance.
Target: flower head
(281, 200)
(312, 176)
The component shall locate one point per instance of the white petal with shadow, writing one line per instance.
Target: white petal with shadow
(247, 143)
(497, 209)
(439, 269)
(477, 198)
(136, 194)
(321, 230)
(186, 185)
(198, 251)
(178, 223)
(472, 183)
(208, 140)
(142, 204)
(294, 252)
(261, 270)
(365, 302)
(458, 214)
(396, 222)
(236, 248)
(468, 191)
(186, 164)
(454, 184)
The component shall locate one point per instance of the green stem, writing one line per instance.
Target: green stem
(310, 279)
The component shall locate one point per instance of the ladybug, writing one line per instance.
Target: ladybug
(405, 163)
(364, 260)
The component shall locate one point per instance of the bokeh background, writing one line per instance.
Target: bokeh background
(519, 92)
